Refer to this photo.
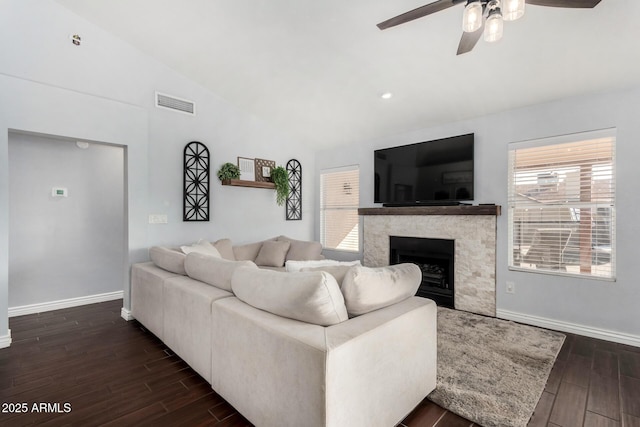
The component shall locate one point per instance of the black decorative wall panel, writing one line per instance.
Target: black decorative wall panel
(294, 201)
(196, 182)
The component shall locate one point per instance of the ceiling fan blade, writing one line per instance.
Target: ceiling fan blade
(419, 12)
(579, 4)
(469, 40)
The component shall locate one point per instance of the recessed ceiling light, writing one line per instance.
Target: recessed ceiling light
(386, 95)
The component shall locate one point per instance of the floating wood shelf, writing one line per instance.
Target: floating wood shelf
(254, 184)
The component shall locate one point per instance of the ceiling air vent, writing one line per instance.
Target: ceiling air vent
(175, 104)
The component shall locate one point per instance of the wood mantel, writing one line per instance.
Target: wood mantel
(433, 210)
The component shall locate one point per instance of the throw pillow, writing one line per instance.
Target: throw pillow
(301, 249)
(202, 246)
(292, 265)
(272, 254)
(168, 259)
(213, 271)
(225, 248)
(247, 252)
(337, 271)
(312, 297)
(367, 289)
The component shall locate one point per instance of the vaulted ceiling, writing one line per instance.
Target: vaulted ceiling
(317, 69)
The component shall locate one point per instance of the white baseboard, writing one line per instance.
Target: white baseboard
(573, 328)
(66, 303)
(126, 314)
(5, 340)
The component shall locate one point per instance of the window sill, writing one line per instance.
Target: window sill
(561, 273)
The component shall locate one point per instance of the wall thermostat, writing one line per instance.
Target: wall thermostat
(58, 192)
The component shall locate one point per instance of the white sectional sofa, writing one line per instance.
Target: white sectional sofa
(294, 349)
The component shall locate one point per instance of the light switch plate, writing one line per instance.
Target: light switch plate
(158, 219)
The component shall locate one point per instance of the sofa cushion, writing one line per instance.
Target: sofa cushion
(213, 271)
(272, 254)
(225, 248)
(147, 295)
(337, 271)
(201, 246)
(187, 320)
(168, 259)
(247, 252)
(301, 249)
(312, 297)
(292, 265)
(367, 289)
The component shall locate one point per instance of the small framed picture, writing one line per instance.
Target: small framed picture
(247, 169)
(263, 169)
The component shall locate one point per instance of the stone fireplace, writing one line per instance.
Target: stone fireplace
(472, 231)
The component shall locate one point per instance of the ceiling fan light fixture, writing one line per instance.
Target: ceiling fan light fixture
(494, 26)
(512, 9)
(472, 18)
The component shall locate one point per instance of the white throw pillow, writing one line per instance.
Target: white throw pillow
(312, 297)
(367, 289)
(292, 265)
(212, 270)
(202, 246)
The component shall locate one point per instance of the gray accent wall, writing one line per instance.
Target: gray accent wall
(64, 247)
(598, 304)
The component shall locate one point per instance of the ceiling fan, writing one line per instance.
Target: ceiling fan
(483, 16)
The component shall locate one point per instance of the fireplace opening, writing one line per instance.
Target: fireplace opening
(435, 257)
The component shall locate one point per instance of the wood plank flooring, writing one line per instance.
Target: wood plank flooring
(87, 366)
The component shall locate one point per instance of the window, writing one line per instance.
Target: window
(339, 200)
(562, 205)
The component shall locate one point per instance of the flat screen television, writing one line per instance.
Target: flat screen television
(438, 172)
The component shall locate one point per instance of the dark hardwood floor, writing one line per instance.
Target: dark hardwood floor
(87, 366)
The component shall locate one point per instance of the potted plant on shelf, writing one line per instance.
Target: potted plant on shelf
(228, 171)
(280, 178)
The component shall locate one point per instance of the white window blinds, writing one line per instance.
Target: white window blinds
(339, 200)
(562, 205)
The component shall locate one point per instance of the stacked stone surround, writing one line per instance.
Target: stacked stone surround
(475, 251)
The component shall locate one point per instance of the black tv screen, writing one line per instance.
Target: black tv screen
(430, 172)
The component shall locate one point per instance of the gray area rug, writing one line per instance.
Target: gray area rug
(492, 371)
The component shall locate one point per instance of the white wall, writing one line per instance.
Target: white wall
(64, 247)
(605, 306)
(104, 91)
(37, 108)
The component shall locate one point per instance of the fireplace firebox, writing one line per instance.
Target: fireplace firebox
(435, 257)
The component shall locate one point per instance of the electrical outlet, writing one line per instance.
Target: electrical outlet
(511, 287)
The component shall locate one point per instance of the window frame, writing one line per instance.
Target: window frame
(586, 137)
(323, 209)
